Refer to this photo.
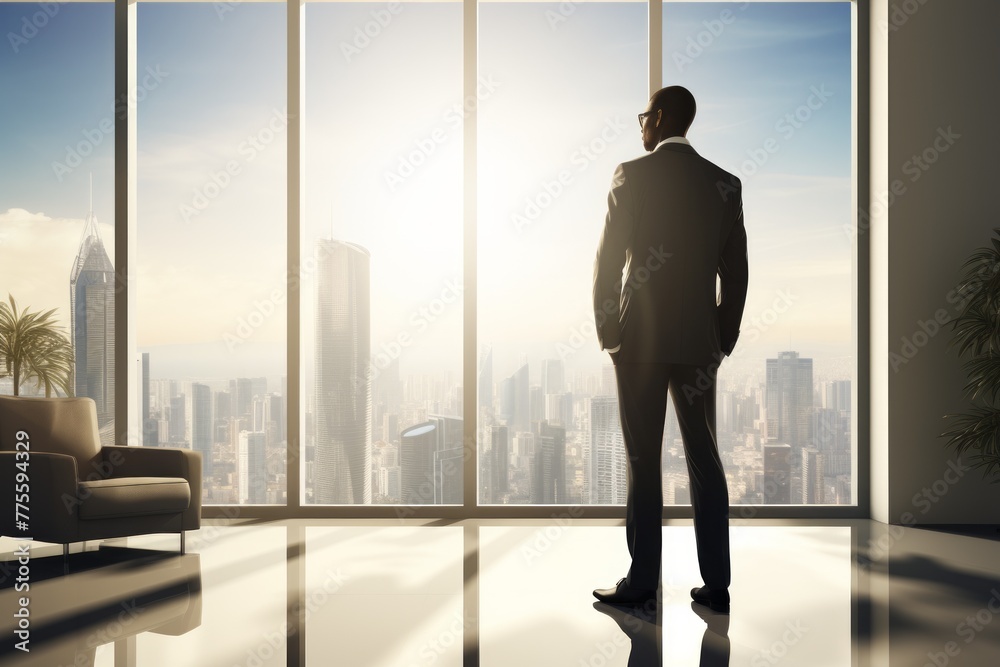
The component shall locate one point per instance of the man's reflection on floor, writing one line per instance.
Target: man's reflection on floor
(643, 625)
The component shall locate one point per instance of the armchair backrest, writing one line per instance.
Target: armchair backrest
(54, 425)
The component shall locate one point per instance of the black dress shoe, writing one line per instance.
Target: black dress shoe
(622, 593)
(714, 600)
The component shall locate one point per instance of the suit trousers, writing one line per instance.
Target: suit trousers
(642, 404)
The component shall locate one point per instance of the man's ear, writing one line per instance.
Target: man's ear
(659, 115)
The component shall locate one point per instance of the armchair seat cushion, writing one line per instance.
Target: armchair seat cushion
(133, 496)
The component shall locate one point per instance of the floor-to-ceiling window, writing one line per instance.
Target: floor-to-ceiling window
(375, 363)
(210, 272)
(57, 217)
(382, 288)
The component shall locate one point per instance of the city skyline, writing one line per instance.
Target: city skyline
(581, 462)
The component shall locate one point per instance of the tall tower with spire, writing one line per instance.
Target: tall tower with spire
(92, 303)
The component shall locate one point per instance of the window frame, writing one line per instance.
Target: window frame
(127, 397)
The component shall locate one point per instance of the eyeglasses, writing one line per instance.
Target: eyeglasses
(643, 115)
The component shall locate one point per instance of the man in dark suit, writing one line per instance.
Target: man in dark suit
(674, 222)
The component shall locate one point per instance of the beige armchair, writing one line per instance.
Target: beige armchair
(74, 489)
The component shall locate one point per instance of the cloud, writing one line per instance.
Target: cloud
(36, 257)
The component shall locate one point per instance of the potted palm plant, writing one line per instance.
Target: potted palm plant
(975, 434)
(34, 347)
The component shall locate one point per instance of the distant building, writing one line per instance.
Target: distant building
(812, 477)
(553, 376)
(777, 474)
(548, 483)
(92, 325)
(515, 401)
(202, 426)
(605, 459)
(789, 399)
(430, 462)
(343, 450)
(251, 461)
(499, 457)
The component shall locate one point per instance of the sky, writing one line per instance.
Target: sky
(58, 91)
(382, 167)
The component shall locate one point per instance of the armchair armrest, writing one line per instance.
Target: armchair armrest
(52, 490)
(125, 461)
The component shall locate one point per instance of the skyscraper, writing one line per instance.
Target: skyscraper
(416, 464)
(430, 462)
(559, 409)
(342, 470)
(92, 324)
(150, 428)
(177, 420)
(252, 467)
(499, 462)
(777, 474)
(553, 376)
(242, 393)
(277, 431)
(609, 382)
(202, 426)
(789, 399)
(812, 476)
(536, 404)
(515, 401)
(549, 465)
(837, 395)
(605, 459)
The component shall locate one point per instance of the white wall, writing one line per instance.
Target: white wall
(943, 73)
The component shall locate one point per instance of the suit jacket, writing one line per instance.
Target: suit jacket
(674, 222)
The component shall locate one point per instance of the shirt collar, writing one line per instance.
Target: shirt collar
(673, 140)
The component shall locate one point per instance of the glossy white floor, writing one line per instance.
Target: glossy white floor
(503, 593)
